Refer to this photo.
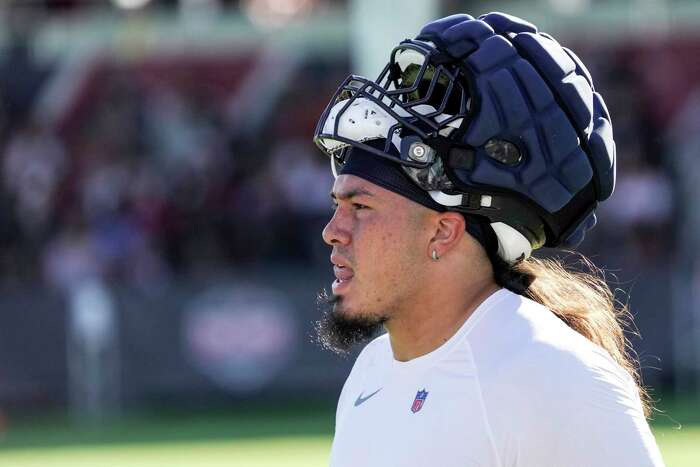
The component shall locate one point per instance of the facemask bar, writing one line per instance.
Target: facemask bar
(391, 80)
(352, 89)
(410, 105)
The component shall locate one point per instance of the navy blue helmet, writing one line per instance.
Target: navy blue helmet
(492, 118)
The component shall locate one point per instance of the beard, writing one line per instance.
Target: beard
(339, 333)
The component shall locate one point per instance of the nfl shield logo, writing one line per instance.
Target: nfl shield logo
(419, 400)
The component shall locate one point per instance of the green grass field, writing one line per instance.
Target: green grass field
(304, 451)
(252, 438)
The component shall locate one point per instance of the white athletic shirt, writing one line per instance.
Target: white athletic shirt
(514, 387)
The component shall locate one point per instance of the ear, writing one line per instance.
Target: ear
(449, 231)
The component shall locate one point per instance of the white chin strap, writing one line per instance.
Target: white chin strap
(512, 245)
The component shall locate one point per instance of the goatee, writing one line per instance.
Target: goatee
(340, 333)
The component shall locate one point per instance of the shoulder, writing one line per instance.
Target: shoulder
(525, 342)
(548, 391)
(520, 336)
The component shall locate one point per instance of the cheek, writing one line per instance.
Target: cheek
(376, 243)
(389, 256)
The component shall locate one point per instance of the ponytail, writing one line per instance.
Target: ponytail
(580, 298)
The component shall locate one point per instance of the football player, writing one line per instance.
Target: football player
(481, 141)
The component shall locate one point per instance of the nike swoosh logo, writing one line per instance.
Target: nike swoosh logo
(361, 400)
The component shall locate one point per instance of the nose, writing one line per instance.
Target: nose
(335, 233)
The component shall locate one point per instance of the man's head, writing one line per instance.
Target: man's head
(487, 120)
(490, 117)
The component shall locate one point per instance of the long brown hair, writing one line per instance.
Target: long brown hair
(580, 296)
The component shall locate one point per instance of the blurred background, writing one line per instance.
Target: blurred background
(161, 204)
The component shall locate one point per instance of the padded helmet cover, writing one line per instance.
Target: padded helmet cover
(538, 95)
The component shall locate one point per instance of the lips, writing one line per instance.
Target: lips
(343, 274)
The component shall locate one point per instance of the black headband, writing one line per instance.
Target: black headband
(389, 175)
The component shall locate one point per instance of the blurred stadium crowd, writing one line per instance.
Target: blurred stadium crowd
(147, 175)
(165, 167)
(151, 177)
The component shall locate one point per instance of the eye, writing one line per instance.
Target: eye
(358, 206)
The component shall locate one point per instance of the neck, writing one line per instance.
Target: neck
(429, 321)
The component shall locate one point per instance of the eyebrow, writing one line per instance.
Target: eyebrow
(351, 194)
